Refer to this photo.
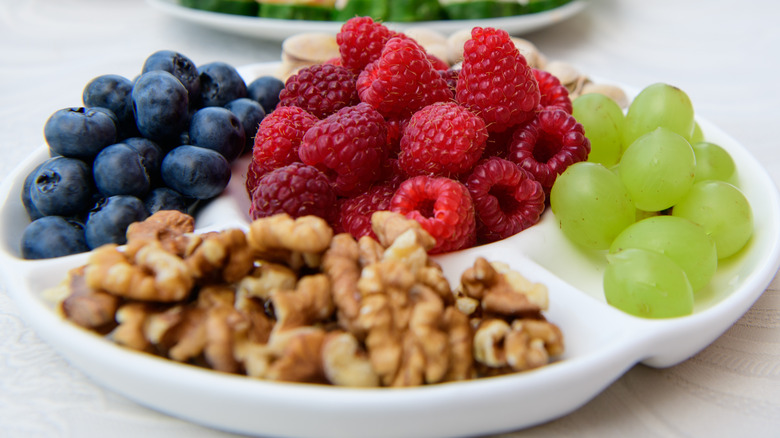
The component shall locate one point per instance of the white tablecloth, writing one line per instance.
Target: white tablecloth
(723, 53)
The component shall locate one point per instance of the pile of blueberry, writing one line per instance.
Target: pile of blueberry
(164, 141)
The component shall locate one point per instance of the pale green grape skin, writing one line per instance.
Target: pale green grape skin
(591, 205)
(683, 241)
(724, 212)
(713, 162)
(647, 284)
(658, 169)
(698, 134)
(659, 105)
(602, 119)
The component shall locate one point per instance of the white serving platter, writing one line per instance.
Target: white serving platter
(278, 30)
(602, 343)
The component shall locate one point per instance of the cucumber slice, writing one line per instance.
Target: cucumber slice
(414, 10)
(481, 9)
(235, 7)
(296, 12)
(376, 9)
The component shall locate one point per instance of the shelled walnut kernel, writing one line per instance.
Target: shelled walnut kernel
(289, 301)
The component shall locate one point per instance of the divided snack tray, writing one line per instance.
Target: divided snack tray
(601, 342)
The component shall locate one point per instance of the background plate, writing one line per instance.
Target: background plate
(601, 342)
(278, 30)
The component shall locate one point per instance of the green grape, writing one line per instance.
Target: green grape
(659, 105)
(591, 205)
(712, 162)
(647, 284)
(697, 135)
(658, 169)
(602, 119)
(722, 210)
(683, 241)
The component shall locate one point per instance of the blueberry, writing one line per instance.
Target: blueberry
(79, 132)
(178, 65)
(151, 153)
(220, 83)
(62, 187)
(109, 219)
(164, 198)
(265, 90)
(29, 207)
(195, 172)
(160, 104)
(251, 114)
(218, 129)
(53, 236)
(119, 170)
(112, 92)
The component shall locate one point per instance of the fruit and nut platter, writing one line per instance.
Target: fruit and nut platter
(268, 249)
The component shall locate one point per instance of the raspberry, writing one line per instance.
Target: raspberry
(495, 80)
(549, 144)
(295, 189)
(320, 89)
(355, 213)
(506, 198)
(553, 93)
(443, 139)
(349, 146)
(277, 140)
(360, 42)
(450, 76)
(402, 80)
(442, 206)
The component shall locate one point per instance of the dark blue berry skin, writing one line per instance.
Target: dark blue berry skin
(151, 153)
(119, 170)
(265, 90)
(108, 220)
(113, 93)
(164, 198)
(218, 129)
(179, 66)
(53, 236)
(195, 172)
(79, 132)
(62, 187)
(32, 212)
(160, 104)
(251, 114)
(220, 83)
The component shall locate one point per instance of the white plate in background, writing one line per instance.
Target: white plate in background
(278, 30)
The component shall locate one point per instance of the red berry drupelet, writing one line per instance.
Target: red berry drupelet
(350, 146)
(277, 140)
(320, 89)
(549, 144)
(295, 189)
(402, 80)
(495, 80)
(355, 212)
(443, 139)
(553, 93)
(506, 198)
(360, 42)
(442, 206)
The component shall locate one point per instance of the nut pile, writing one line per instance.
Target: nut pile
(287, 300)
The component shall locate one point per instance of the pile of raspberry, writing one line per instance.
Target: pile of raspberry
(470, 153)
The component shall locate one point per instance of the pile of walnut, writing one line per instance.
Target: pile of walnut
(289, 301)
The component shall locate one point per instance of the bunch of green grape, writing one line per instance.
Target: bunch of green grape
(660, 201)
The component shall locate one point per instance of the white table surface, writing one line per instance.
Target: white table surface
(723, 53)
